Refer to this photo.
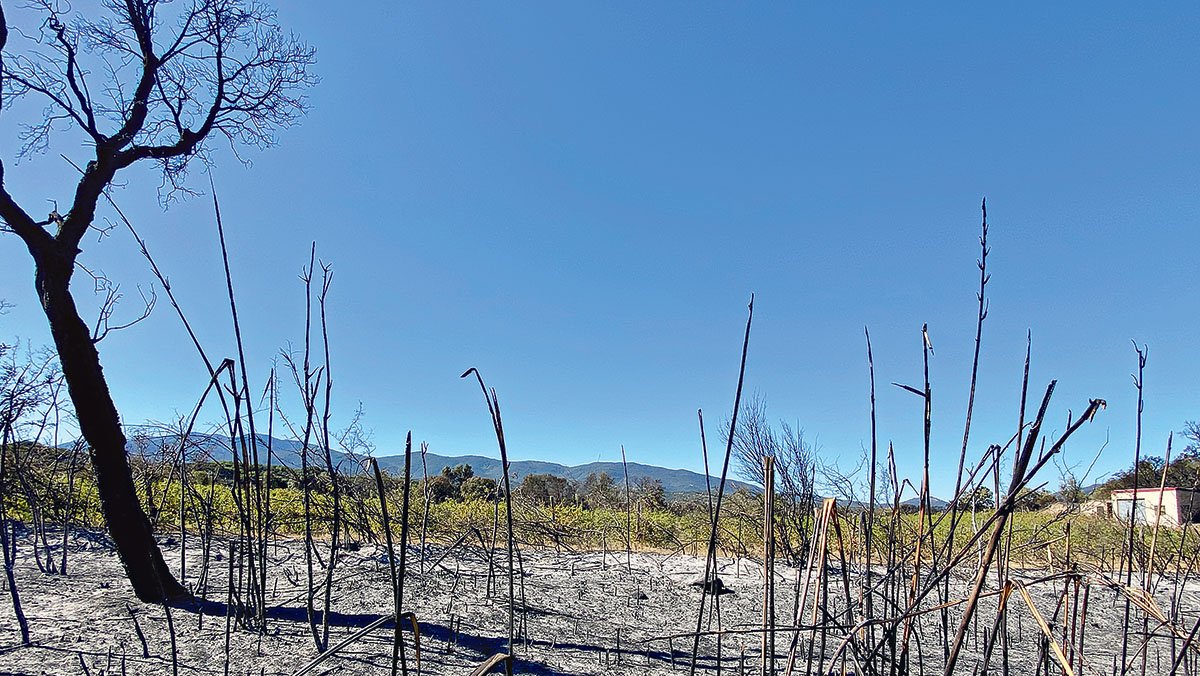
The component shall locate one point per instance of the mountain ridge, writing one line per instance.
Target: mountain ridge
(287, 453)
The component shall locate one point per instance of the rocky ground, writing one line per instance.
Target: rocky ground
(584, 613)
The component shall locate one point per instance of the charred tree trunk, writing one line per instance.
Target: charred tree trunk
(246, 84)
(101, 426)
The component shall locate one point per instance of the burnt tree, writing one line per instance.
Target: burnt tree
(139, 81)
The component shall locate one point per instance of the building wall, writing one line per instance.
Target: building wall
(1187, 503)
(1176, 508)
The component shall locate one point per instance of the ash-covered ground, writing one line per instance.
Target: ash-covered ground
(577, 613)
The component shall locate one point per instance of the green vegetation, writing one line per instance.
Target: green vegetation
(1182, 472)
(55, 486)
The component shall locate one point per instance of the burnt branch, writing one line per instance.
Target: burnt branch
(150, 80)
(112, 296)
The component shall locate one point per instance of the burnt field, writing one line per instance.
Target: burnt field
(575, 613)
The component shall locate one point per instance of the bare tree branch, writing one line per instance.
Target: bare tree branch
(226, 69)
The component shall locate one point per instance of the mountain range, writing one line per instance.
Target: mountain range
(287, 452)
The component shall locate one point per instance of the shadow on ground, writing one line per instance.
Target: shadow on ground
(485, 645)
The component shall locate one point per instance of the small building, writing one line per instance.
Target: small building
(1170, 507)
(1097, 507)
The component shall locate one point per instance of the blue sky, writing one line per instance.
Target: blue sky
(579, 199)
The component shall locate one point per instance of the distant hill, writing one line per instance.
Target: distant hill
(935, 503)
(287, 452)
(674, 481)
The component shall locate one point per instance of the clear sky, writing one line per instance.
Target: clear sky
(579, 199)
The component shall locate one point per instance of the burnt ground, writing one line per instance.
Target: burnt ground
(584, 613)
